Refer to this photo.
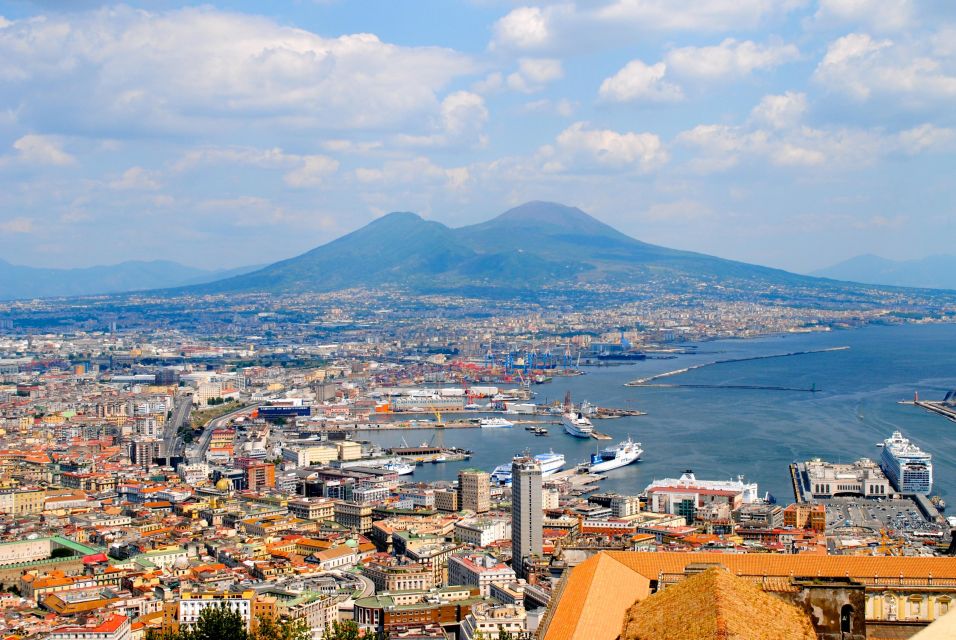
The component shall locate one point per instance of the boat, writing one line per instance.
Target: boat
(399, 467)
(550, 463)
(908, 468)
(938, 502)
(620, 455)
(495, 423)
(439, 459)
(540, 431)
(575, 423)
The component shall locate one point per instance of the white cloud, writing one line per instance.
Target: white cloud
(135, 178)
(881, 15)
(17, 225)
(534, 74)
(523, 28)
(775, 132)
(927, 137)
(731, 58)
(194, 69)
(419, 170)
(313, 172)
(695, 15)
(580, 147)
(567, 25)
(780, 111)
(44, 150)
(305, 170)
(639, 82)
(460, 121)
(862, 68)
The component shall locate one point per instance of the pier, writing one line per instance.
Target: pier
(726, 386)
(934, 407)
(641, 382)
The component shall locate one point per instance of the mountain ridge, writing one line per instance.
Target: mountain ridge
(533, 245)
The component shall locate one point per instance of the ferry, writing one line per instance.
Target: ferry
(399, 467)
(621, 455)
(495, 423)
(550, 463)
(909, 468)
(577, 425)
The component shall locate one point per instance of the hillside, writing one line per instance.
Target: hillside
(934, 272)
(531, 246)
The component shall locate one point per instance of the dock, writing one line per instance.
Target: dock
(571, 482)
(933, 407)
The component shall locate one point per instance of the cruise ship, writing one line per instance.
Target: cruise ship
(909, 468)
(495, 423)
(620, 455)
(577, 425)
(550, 463)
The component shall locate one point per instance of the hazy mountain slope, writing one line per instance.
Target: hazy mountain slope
(37, 282)
(934, 272)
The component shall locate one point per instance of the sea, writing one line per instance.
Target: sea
(724, 429)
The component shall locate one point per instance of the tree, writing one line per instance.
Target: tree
(344, 630)
(214, 623)
(268, 628)
(218, 623)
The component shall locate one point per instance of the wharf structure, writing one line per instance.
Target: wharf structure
(817, 479)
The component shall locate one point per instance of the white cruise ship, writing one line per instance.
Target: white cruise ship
(577, 425)
(495, 423)
(550, 463)
(909, 468)
(620, 455)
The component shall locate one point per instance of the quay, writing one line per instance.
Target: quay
(676, 372)
(934, 407)
(726, 386)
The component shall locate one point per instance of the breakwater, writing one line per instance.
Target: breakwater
(644, 381)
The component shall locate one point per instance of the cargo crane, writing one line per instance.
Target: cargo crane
(567, 357)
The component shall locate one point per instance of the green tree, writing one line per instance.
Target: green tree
(268, 628)
(344, 630)
(218, 623)
(214, 623)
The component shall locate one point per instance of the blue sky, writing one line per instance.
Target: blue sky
(791, 133)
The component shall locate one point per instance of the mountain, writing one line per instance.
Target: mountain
(531, 246)
(933, 272)
(37, 282)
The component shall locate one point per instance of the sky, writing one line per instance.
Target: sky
(789, 133)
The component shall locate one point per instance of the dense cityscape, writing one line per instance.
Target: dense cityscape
(154, 471)
(477, 320)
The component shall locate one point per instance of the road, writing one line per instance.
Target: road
(199, 455)
(172, 443)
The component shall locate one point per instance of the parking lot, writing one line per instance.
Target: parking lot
(899, 517)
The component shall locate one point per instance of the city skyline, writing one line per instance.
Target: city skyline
(792, 135)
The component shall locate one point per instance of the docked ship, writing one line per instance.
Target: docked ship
(550, 463)
(909, 468)
(575, 422)
(495, 423)
(620, 455)
(399, 467)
